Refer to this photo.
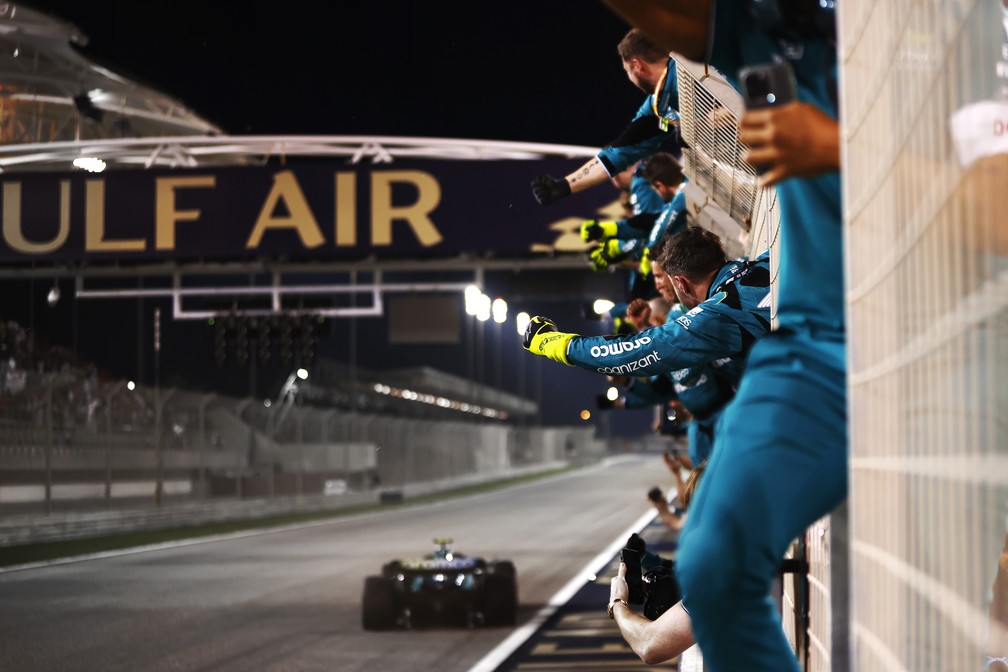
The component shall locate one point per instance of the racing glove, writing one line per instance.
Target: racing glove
(606, 254)
(542, 338)
(547, 189)
(645, 262)
(593, 230)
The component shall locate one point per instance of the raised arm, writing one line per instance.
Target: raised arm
(653, 641)
(705, 334)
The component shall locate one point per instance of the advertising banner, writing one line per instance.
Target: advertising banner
(313, 210)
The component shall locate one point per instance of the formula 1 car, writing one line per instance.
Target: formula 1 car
(443, 587)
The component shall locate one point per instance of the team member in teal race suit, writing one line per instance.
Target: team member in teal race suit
(729, 309)
(654, 126)
(780, 457)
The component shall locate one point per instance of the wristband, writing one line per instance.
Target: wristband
(612, 604)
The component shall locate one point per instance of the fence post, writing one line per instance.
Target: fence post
(203, 403)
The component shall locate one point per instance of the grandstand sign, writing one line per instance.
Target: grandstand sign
(315, 210)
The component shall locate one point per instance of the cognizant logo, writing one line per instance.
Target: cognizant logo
(618, 347)
(631, 366)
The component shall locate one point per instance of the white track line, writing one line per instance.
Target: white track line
(498, 655)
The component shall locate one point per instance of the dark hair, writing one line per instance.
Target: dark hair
(694, 253)
(657, 248)
(636, 44)
(664, 168)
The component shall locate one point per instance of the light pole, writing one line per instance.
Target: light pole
(499, 310)
(521, 323)
(288, 391)
(483, 311)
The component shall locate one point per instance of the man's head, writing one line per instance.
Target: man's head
(663, 283)
(643, 60)
(664, 173)
(691, 259)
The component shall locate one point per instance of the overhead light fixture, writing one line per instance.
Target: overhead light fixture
(89, 163)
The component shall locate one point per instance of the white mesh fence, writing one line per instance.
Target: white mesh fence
(927, 286)
(724, 193)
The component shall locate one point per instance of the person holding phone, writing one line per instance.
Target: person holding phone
(780, 457)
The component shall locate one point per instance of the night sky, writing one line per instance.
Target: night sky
(526, 71)
(529, 70)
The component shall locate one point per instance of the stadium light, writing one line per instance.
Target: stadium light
(602, 306)
(612, 394)
(499, 309)
(472, 298)
(483, 308)
(521, 322)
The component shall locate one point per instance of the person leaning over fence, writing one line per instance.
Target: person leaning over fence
(780, 459)
(728, 310)
(664, 173)
(654, 126)
(643, 203)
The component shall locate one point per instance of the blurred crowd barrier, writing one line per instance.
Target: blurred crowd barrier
(69, 442)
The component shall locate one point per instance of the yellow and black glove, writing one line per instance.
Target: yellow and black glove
(593, 230)
(542, 338)
(606, 254)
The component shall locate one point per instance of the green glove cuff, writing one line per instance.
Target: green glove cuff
(608, 229)
(552, 344)
(611, 248)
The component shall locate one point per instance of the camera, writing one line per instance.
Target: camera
(656, 588)
(661, 591)
(767, 85)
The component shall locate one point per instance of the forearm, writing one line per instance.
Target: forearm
(655, 641)
(592, 173)
(659, 350)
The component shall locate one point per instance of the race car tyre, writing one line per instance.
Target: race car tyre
(500, 599)
(504, 568)
(379, 604)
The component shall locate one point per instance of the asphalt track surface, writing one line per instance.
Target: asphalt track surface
(289, 599)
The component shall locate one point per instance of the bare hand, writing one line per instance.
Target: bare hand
(792, 140)
(618, 589)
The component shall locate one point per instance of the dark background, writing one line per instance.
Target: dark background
(523, 71)
(527, 70)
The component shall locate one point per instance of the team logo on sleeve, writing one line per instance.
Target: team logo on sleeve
(619, 347)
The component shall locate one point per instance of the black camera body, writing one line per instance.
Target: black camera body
(661, 591)
(767, 85)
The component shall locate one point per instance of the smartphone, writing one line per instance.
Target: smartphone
(634, 578)
(767, 84)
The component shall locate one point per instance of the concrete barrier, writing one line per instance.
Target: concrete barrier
(21, 529)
